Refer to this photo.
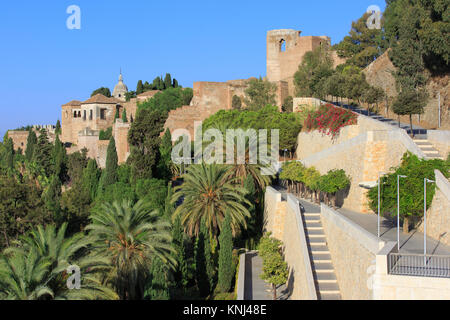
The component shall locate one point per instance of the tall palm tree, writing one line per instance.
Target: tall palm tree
(242, 170)
(208, 192)
(23, 276)
(35, 267)
(130, 237)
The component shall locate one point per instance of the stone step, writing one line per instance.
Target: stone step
(330, 296)
(317, 241)
(319, 248)
(323, 267)
(317, 236)
(311, 214)
(321, 257)
(325, 277)
(429, 152)
(313, 225)
(423, 143)
(326, 287)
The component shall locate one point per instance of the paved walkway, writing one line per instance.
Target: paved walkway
(255, 287)
(418, 130)
(409, 243)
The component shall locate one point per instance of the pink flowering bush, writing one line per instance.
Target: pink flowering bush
(329, 119)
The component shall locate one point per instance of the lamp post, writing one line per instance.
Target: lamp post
(398, 210)
(425, 219)
(439, 103)
(379, 199)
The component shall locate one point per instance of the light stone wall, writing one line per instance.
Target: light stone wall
(392, 287)
(121, 138)
(399, 287)
(440, 140)
(274, 213)
(362, 150)
(438, 215)
(353, 252)
(362, 158)
(283, 219)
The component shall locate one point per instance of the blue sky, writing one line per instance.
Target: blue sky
(44, 64)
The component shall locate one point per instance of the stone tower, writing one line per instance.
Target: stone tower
(285, 51)
(120, 89)
(278, 42)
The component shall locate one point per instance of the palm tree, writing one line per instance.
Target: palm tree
(243, 170)
(130, 237)
(23, 276)
(35, 267)
(208, 192)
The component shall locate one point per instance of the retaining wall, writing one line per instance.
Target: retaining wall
(353, 251)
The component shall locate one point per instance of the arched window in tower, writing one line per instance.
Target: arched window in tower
(282, 45)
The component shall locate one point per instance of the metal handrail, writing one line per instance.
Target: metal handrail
(419, 265)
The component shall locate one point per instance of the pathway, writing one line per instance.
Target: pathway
(409, 243)
(255, 287)
(418, 130)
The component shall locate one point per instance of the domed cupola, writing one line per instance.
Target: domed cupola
(120, 89)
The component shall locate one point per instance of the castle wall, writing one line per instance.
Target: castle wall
(282, 65)
(208, 99)
(20, 137)
(121, 138)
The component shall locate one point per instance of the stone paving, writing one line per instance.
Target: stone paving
(255, 287)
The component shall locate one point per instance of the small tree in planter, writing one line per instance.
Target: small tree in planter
(275, 269)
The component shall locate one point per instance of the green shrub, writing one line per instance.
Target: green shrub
(105, 134)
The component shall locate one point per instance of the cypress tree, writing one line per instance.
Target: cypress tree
(168, 81)
(52, 196)
(175, 83)
(210, 258)
(111, 164)
(161, 85)
(91, 175)
(181, 273)
(43, 153)
(169, 208)
(58, 127)
(124, 116)
(139, 87)
(225, 256)
(200, 264)
(165, 150)
(157, 287)
(31, 145)
(9, 154)
(117, 116)
(60, 159)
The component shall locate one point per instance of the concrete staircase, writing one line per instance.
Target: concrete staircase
(321, 264)
(427, 148)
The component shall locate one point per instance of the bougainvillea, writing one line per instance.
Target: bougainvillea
(329, 119)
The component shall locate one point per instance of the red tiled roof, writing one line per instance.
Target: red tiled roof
(72, 103)
(99, 98)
